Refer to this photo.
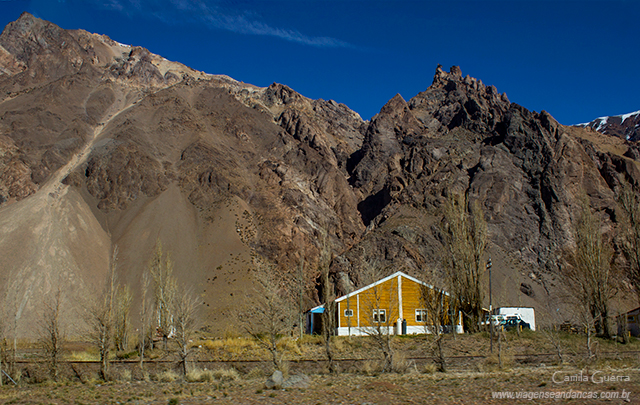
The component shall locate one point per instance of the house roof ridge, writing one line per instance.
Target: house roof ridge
(382, 280)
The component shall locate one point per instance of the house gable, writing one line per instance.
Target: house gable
(392, 298)
(384, 280)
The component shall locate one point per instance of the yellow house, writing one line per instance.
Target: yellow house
(396, 304)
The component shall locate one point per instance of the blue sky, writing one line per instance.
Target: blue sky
(575, 59)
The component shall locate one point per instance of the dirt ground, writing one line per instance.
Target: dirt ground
(530, 372)
(411, 388)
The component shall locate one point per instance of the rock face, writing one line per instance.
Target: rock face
(103, 144)
(625, 126)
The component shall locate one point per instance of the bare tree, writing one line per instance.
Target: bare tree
(101, 318)
(122, 307)
(464, 231)
(629, 200)
(435, 302)
(101, 328)
(3, 345)
(7, 360)
(144, 314)
(379, 303)
(588, 322)
(329, 314)
(552, 331)
(161, 270)
(184, 308)
(271, 312)
(588, 271)
(300, 282)
(51, 333)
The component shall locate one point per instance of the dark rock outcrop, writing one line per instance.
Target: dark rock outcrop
(220, 169)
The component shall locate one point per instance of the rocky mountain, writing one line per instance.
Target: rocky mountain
(625, 126)
(103, 144)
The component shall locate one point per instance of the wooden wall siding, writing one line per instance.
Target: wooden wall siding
(386, 296)
(411, 300)
(446, 318)
(383, 296)
(349, 303)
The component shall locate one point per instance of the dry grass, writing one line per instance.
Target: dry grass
(399, 363)
(125, 375)
(471, 388)
(255, 373)
(370, 367)
(84, 356)
(236, 345)
(430, 368)
(167, 376)
(197, 375)
(502, 361)
(220, 374)
(226, 374)
(291, 346)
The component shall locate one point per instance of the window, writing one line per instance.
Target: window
(631, 319)
(421, 315)
(348, 312)
(379, 315)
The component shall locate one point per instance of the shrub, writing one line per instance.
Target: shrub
(226, 374)
(221, 374)
(430, 368)
(399, 363)
(291, 345)
(167, 376)
(197, 375)
(194, 375)
(125, 375)
(370, 367)
(256, 372)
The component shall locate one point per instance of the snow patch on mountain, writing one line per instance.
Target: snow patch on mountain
(625, 116)
(603, 123)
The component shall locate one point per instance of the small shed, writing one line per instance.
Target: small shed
(314, 320)
(629, 321)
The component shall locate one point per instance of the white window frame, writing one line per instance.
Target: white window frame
(421, 315)
(348, 312)
(379, 315)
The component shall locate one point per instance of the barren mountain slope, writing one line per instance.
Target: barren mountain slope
(528, 172)
(103, 144)
(200, 162)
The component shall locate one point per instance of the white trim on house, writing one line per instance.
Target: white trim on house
(366, 331)
(396, 274)
(358, 305)
(400, 297)
(357, 330)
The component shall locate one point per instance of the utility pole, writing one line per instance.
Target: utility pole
(490, 306)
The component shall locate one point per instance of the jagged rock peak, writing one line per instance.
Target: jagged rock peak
(282, 94)
(448, 81)
(394, 106)
(456, 101)
(28, 36)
